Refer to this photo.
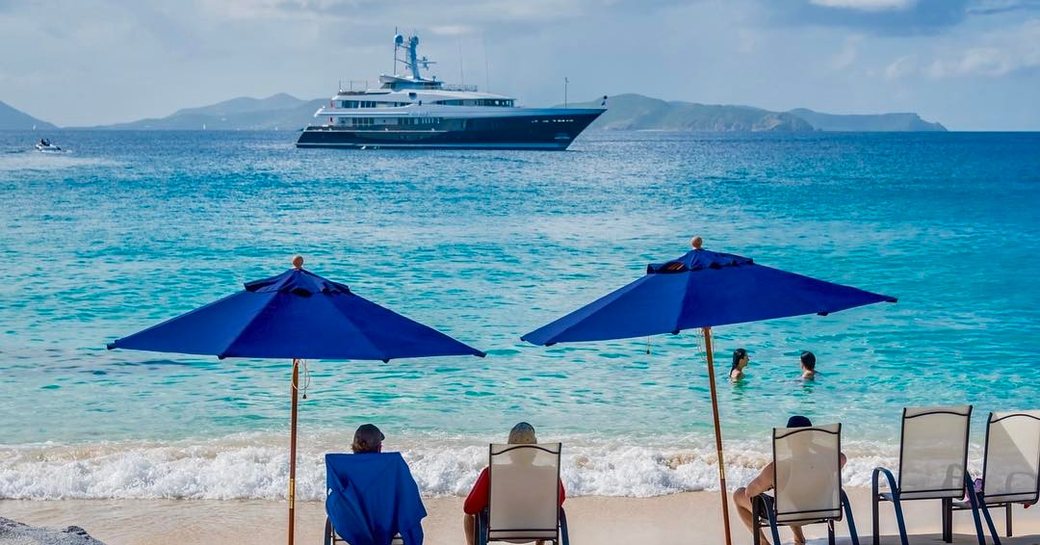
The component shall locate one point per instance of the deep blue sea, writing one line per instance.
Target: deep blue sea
(130, 228)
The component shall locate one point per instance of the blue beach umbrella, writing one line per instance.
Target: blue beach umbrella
(295, 315)
(702, 289)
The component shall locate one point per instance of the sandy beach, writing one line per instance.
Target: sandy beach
(691, 518)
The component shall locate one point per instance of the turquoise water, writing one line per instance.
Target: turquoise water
(132, 228)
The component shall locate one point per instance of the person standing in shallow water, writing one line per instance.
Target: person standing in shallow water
(808, 365)
(740, 361)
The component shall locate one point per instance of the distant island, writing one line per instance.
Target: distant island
(642, 113)
(624, 112)
(12, 119)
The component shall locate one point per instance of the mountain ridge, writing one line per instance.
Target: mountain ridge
(628, 111)
(632, 111)
(12, 118)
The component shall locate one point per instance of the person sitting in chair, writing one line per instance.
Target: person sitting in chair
(744, 497)
(477, 500)
(372, 498)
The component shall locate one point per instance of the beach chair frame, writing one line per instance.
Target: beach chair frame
(485, 533)
(895, 492)
(765, 512)
(999, 500)
(331, 538)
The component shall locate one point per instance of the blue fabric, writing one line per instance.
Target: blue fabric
(296, 314)
(373, 497)
(700, 289)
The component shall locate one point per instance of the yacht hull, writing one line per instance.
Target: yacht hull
(540, 132)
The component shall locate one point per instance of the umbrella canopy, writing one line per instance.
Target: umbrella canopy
(702, 289)
(297, 315)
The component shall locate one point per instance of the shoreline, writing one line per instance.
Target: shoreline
(688, 517)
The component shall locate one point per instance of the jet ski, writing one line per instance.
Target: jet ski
(46, 146)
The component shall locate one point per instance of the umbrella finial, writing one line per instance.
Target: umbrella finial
(696, 243)
(297, 262)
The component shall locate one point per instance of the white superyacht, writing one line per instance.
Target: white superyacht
(411, 111)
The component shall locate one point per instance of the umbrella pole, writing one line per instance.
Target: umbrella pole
(292, 451)
(718, 433)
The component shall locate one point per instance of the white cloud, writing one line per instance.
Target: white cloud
(848, 54)
(996, 55)
(865, 5)
(901, 67)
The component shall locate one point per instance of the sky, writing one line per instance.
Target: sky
(969, 64)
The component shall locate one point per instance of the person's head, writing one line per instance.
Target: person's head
(799, 421)
(522, 434)
(740, 359)
(808, 361)
(367, 438)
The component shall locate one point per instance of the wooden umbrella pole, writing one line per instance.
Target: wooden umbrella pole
(292, 451)
(718, 433)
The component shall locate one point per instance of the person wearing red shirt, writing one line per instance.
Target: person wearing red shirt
(477, 500)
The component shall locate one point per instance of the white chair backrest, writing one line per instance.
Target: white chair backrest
(934, 452)
(807, 469)
(1011, 470)
(523, 499)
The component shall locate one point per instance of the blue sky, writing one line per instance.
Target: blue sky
(970, 64)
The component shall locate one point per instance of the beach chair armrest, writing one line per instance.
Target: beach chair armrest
(892, 487)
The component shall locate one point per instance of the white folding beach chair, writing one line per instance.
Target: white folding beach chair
(933, 455)
(807, 477)
(1010, 468)
(523, 496)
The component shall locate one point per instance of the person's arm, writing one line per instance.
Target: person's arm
(761, 483)
(478, 497)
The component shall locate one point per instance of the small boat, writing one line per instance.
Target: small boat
(45, 146)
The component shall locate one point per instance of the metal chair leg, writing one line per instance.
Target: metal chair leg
(849, 520)
(564, 534)
(830, 532)
(874, 522)
(947, 520)
(989, 520)
(973, 499)
(481, 528)
(1007, 519)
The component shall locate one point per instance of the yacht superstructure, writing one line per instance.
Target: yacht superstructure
(411, 111)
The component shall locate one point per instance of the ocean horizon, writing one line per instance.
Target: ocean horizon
(130, 228)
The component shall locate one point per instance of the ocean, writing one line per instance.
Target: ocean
(130, 228)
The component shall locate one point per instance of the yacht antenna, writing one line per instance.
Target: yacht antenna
(487, 85)
(398, 40)
(565, 82)
(462, 75)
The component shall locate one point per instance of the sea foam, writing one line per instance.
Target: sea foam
(255, 466)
